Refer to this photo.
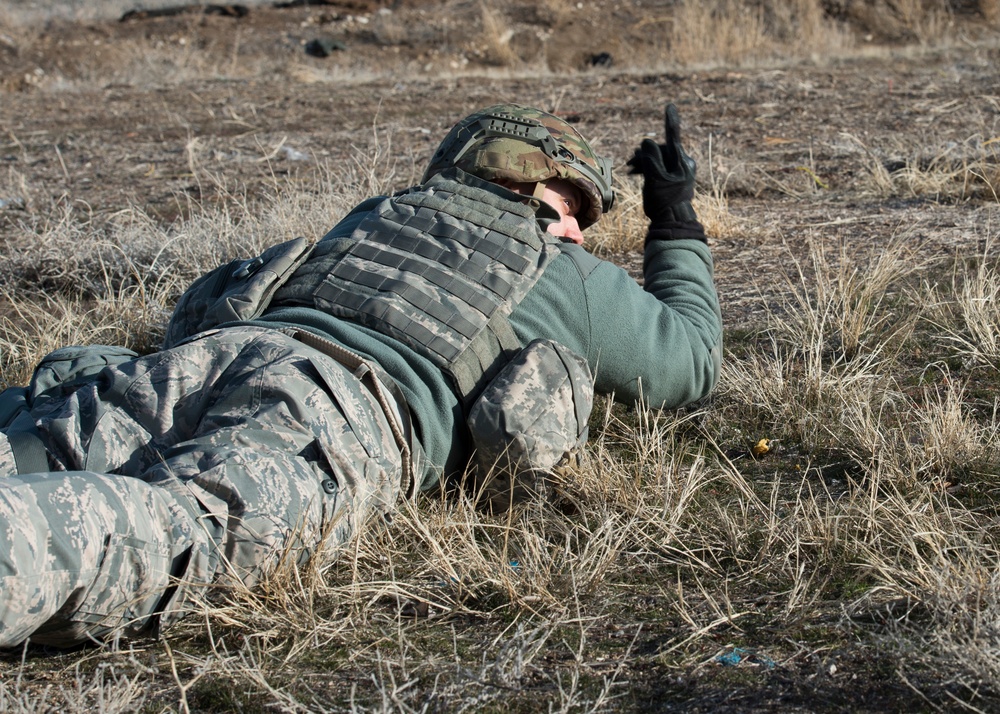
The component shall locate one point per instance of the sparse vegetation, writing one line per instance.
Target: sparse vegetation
(849, 565)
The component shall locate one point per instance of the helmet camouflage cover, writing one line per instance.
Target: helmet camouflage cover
(509, 141)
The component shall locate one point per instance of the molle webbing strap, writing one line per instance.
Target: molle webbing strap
(380, 312)
(499, 216)
(485, 357)
(29, 450)
(476, 273)
(440, 269)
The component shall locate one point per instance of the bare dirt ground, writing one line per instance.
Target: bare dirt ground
(793, 146)
(797, 148)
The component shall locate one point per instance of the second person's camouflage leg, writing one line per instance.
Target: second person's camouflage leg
(242, 444)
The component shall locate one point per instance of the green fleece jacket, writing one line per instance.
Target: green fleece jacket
(660, 343)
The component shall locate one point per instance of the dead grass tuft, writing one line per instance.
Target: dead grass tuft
(494, 42)
(736, 32)
(967, 315)
(951, 172)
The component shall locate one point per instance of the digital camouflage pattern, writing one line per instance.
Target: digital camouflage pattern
(522, 144)
(238, 291)
(438, 269)
(183, 469)
(7, 463)
(528, 422)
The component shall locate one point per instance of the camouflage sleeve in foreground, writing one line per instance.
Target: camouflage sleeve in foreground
(532, 417)
(187, 468)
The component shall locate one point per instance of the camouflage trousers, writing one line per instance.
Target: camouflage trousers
(182, 471)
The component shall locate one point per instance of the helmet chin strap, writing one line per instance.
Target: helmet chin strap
(546, 215)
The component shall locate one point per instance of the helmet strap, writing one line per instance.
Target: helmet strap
(539, 190)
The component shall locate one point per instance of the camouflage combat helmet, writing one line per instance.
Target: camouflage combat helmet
(508, 141)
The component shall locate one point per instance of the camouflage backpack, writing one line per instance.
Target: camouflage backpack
(239, 290)
(58, 374)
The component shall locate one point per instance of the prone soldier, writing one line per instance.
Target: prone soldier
(459, 321)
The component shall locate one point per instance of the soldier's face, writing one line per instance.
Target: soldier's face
(566, 199)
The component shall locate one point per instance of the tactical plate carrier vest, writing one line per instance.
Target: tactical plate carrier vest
(439, 268)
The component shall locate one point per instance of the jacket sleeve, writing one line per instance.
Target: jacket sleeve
(660, 342)
(683, 342)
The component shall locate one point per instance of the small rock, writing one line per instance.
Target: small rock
(324, 47)
(15, 203)
(601, 59)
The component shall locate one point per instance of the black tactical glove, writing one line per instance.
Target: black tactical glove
(668, 180)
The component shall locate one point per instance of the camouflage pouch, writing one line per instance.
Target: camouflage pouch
(531, 418)
(61, 371)
(239, 290)
(58, 374)
(13, 401)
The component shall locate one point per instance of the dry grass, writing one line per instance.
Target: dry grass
(967, 312)
(834, 387)
(106, 690)
(70, 277)
(735, 32)
(950, 172)
(29, 11)
(623, 230)
(855, 504)
(856, 560)
(990, 10)
(494, 41)
(920, 20)
(512, 38)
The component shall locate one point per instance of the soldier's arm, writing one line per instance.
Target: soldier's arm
(683, 337)
(660, 344)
